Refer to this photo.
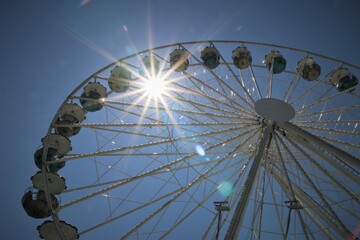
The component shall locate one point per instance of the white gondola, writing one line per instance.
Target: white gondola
(49, 231)
(51, 155)
(275, 61)
(150, 66)
(55, 184)
(210, 57)
(179, 60)
(57, 146)
(343, 80)
(308, 69)
(60, 143)
(70, 113)
(120, 79)
(241, 57)
(36, 205)
(92, 95)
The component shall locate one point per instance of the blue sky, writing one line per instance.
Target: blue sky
(49, 47)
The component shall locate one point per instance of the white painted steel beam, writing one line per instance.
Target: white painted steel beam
(302, 135)
(308, 203)
(236, 221)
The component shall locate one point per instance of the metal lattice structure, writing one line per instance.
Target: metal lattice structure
(146, 145)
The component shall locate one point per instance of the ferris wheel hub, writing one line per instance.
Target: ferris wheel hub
(275, 110)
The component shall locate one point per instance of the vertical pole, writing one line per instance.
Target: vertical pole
(218, 226)
(288, 224)
(220, 206)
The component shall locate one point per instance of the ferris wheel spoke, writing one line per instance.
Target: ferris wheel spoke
(210, 226)
(351, 212)
(269, 169)
(200, 204)
(126, 198)
(151, 172)
(339, 110)
(181, 220)
(201, 106)
(216, 173)
(306, 200)
(247, 95)
(130, 133)
(137, 147)
(191, 117)
(242, 83)
(329, 130)
(199, 178)
(96, 185)
(210, 98)
(346, 145)
(129, 212)
(325, 122)
(322, 100)
(124, 112)
(308, 91)
(111, 124)
(187, 127)
(332, 176)
(223, 84)
(213, 99)
(180, 111)
(293, 199)
(301, 134)
(237, 181)
(324, 215)
(156, 175)
(173, 171)
(282, 164)
(238, 146)
(201, 94)
(343, 168)
(269, 82)
(320, 225)
(331, 211)
(254, 79)
(211, 71)
(201, 86)
(105, 126)
(292, 86)
(111, 168)
(316, 83)
(235, 92)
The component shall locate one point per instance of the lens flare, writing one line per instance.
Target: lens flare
(199, 149)
(84, 2)
(225, 189)
(125, 28)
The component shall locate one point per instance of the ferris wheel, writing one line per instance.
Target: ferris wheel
(204, 140)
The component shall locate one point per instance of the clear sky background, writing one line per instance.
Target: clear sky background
(48, 47)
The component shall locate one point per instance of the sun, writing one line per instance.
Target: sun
(155, 87)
